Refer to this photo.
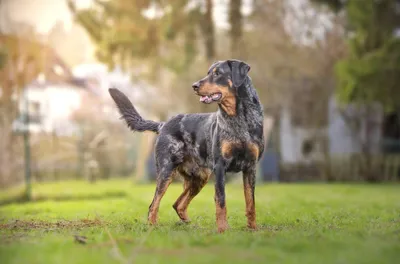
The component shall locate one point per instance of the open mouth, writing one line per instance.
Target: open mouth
(207, 99)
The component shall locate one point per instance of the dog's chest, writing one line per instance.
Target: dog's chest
(239, 154)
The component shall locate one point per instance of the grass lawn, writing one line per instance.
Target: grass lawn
(298, 223)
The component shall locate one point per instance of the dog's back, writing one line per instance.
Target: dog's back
(186, 135)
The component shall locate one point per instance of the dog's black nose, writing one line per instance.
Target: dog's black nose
(196, 86)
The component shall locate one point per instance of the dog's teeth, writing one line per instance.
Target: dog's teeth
(216, 96)
(203, 98)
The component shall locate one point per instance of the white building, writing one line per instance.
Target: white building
(51, 107)
(341, 136)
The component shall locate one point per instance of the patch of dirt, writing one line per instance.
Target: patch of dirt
(62, 224)
(21, 199)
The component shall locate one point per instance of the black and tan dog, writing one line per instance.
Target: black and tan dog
(197, 146)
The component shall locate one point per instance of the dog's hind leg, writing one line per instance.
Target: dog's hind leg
(192, 186)
(185, 194)
(163, 181)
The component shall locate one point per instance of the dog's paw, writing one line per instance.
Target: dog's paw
(152, 220)
(185, 221)
(252, 226)
(222, 229)
(182, 223)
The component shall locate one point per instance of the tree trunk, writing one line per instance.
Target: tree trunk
(208, 31)
(236, 22)
(7, 139)
(5, 158)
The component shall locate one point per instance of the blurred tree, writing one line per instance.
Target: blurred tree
(293, 51)
(78, 40)
(125, 31)
(95, 156)
(119, 30)
(208, 31)
(371, 72)
(284, 59)
(236, 27)
(23, 59)
(156, 40)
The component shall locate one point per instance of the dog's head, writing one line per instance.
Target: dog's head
(222, 81)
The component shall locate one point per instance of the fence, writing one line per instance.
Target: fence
(356, 167)
(126, 154)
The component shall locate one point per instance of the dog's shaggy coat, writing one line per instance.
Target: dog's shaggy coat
(197, 146)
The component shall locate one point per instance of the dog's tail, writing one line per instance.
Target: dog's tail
(132, 118)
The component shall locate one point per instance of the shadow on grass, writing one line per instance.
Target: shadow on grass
(23, 198)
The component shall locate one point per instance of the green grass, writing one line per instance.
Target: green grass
(299, 223)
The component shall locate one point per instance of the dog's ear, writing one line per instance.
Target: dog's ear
(239, 71)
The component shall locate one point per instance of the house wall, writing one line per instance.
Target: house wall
(342, 138)
(292, 138)
(56, 103)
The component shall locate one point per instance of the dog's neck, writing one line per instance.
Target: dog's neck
(248, 110)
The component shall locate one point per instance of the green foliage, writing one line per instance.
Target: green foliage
(374, 76)
(371, 72)
(304, 223)
(25, 52)
(118, 29)
(123, 34)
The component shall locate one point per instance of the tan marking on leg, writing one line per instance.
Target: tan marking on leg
(153, 210)
(250, 203)
(177, 205)
(222, 223)
(192, 188)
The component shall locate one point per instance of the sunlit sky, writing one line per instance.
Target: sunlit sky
(45, 13)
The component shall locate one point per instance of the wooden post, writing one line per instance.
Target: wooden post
(27, 152)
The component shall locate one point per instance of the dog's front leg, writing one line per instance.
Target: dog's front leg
(220, 204)
(249, 183)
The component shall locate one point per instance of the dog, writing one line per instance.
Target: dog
(198, 146)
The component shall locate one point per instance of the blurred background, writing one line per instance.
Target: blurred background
(327, 73)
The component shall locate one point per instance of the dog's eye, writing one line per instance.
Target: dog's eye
(216, 73)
